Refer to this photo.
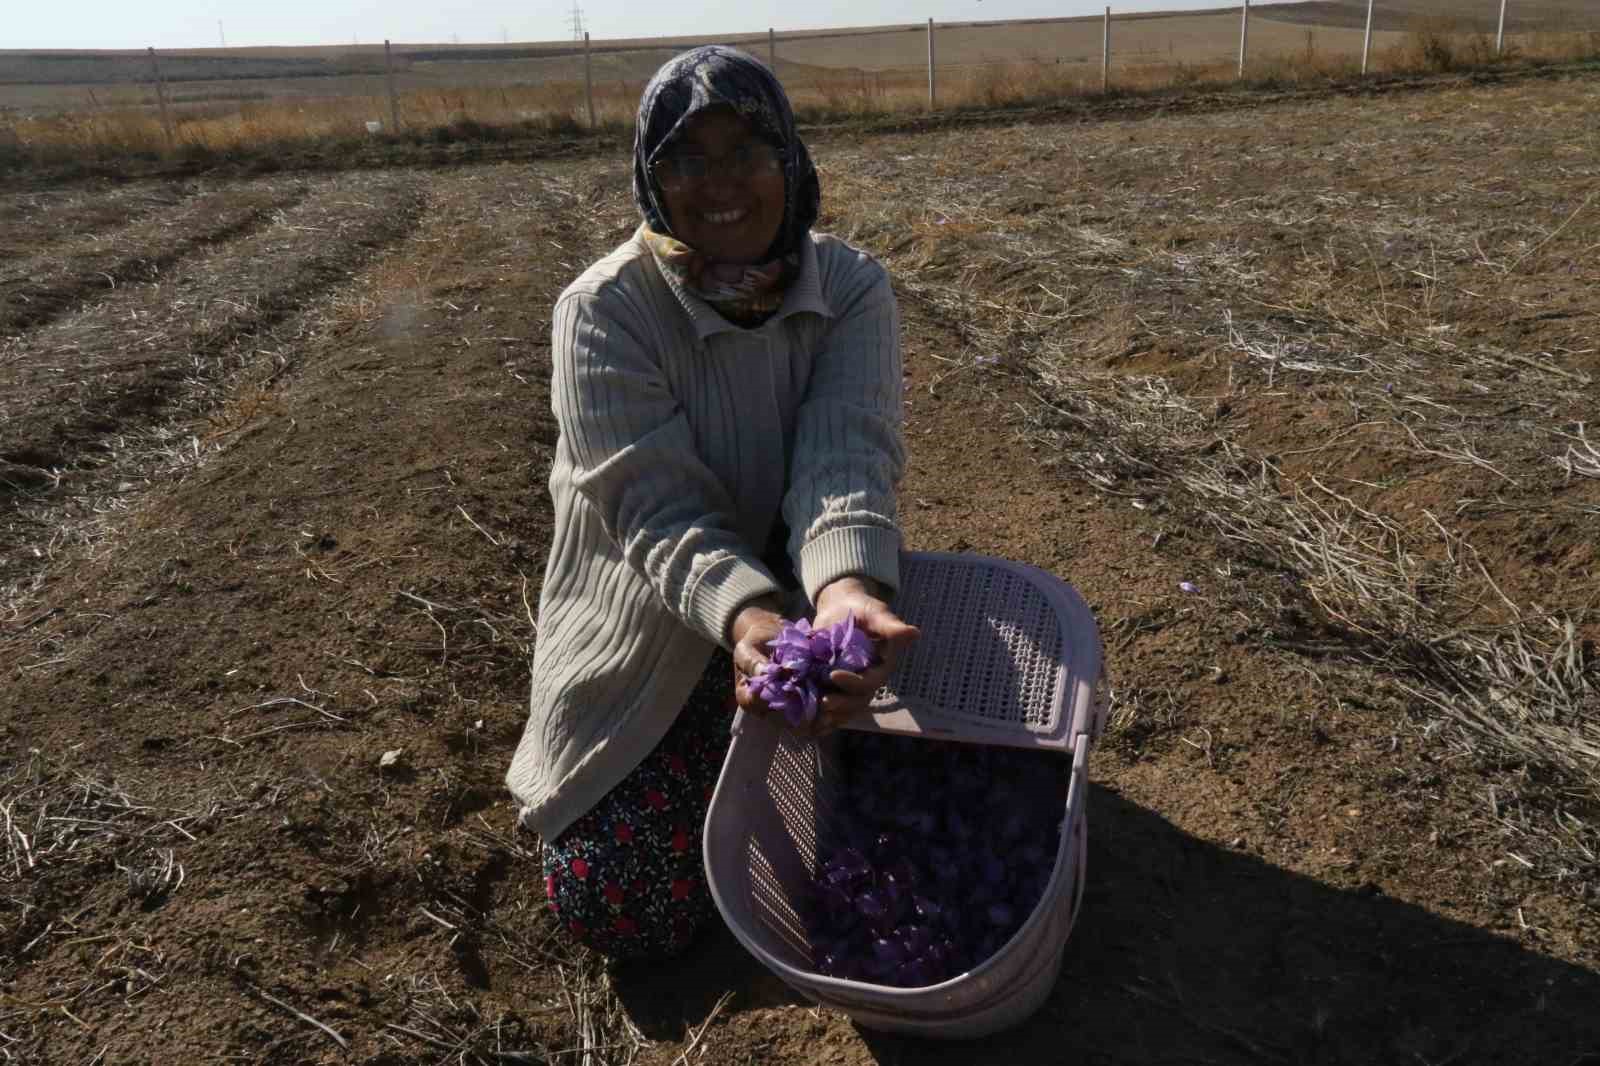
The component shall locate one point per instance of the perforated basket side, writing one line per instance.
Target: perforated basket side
(771, 802)
(1009, 654)
(761, 833)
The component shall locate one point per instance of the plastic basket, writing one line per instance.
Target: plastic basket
(1008, 655)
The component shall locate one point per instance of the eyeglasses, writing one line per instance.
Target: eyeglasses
(743, 163)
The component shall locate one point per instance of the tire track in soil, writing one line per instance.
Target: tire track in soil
(30, 220)
(112, 366)
(71, 274)
(64, 442)
(443, 367)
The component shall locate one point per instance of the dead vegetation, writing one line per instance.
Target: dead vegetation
(59, 821)
(1356, 538)
(203, 307)
(831, 78)
(48, 276)
(1261, 343)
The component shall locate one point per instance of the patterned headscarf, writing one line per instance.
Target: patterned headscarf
(715, 76)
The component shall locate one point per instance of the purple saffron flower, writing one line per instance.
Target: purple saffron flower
(850, 648)
(787, 691)
(801, 659)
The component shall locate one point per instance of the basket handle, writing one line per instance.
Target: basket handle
(1079, 877)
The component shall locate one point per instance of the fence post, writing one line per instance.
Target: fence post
(161, 99)
(588, 79)
(388, 77)
(1500, 34)
(1105, 56)
(1244, 34)
(772, 50)
(930, 64)
(1366, 43)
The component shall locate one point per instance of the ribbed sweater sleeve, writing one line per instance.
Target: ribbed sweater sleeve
(848, 456)
(635, 461)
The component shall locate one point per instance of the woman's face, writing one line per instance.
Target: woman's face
(724, 215)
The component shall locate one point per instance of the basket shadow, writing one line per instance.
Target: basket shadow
(666, 999)
(1190, 952)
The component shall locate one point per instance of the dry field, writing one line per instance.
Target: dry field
(272, 463)
(80, 104)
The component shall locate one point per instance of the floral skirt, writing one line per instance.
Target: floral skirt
(627, 879)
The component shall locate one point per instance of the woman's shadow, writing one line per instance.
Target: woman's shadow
(1186, 952)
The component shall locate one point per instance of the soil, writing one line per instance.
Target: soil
(272, 517)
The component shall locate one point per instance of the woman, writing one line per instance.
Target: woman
(728, 390)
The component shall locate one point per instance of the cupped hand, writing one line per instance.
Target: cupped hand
(754, 629)
(891, 637)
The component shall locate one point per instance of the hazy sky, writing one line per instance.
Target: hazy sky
(193, 23)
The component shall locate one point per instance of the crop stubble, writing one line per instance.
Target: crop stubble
(1138, 352)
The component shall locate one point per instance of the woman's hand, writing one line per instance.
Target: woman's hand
(891, 637)
(754, 628)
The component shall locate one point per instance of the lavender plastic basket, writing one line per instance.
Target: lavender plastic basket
(1009, 655)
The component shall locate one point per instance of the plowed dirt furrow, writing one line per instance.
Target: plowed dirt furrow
(433, 396)
(31, 222)
(41, 284)
(254, 722)
(118, 362)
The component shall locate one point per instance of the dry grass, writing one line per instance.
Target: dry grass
(55, 816)
(1368, 317)
(144, 361)
(57, 820)
(980, 67)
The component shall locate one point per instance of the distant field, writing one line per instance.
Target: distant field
(1179, 38)
(74, 104)
(115, 80)
(1479, 15)
(33, 83)
(1296, 389)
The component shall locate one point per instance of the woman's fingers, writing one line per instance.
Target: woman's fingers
(747, 661)
(854, 684)
(891, 634)
(851, 692)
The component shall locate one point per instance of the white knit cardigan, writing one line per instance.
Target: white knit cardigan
(681, 437)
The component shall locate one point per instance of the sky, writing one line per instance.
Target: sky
(195, 23)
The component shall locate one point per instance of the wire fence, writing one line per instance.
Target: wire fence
(217, 100)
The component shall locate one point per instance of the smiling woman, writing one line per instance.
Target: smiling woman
(725, 185)
(727, 385)
(723, 188)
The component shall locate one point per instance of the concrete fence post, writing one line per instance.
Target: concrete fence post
(1366, 43)
(1244, 35)
(1105, 55)
(588, 79)
(388, 77)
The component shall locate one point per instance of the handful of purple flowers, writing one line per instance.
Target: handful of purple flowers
(800, 660)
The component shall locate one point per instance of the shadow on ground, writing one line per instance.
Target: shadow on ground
(664, 1001)
(1193, 953)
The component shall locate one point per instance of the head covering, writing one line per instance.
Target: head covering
(718, 76)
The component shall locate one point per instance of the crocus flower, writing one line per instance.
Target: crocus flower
(800, 662)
